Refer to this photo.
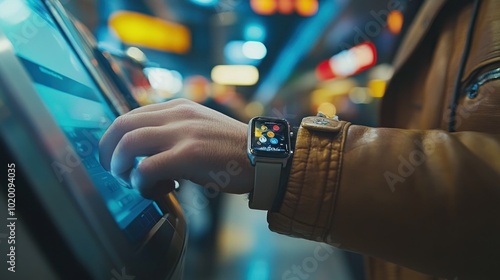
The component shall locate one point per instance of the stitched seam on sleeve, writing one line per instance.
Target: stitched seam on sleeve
(315, 224)
(342, 140)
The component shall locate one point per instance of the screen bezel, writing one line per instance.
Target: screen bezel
(99, 80)
(84, 49)
(129, 88)
(34, 138)
(271, 154)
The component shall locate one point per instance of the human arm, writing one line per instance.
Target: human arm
(438, 215)
(425, 199)
(180, 140)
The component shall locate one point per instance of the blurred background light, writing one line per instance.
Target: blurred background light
(237, 75)
(377, 88)
(360, 95)
(306, 8)
(258, 270)
(207, 3)
(327, 108)
(348, 62)
(254, 108)
(244, 52)
(382, 71)
(254, 50)
(354, 60)
(165, 82)
(142, 30)
(197, 88)
(285, 7)
(330, 93)
(227, 95)
(233, 52)
(254, 32)
(14, 11)
(137, 54)
(264, 7)
(395, 21)
(337, 87)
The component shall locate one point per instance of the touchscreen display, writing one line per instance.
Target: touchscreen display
(76, 104)
(136, 79)
(270, 136)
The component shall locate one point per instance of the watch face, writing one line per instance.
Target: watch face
(270, 137)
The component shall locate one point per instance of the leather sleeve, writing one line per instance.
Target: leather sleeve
(425, 199)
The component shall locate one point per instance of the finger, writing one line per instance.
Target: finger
(167, 165)
(120, 127)
(141, 142)
(160, 106)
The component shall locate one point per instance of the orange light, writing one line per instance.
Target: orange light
(328, 109)
(197, 88)
(285, 6)
(395, 21)
(147, 31)
(264, 7)
(306, 8)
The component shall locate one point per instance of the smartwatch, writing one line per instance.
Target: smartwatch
(269, 150)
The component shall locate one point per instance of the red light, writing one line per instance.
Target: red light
(324, 71)
(348, 62)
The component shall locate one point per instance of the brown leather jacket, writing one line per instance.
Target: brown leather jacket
(412, 193)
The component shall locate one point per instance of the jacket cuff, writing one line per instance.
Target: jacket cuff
(309, 198)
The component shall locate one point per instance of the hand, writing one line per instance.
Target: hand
(180, 140)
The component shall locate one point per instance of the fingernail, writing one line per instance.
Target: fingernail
(113, 167)
(134, 178)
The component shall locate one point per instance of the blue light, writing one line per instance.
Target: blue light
(255, 32)
(234, 51)
(205, 2)
(258, 270)
(304, 38)
(243, 52)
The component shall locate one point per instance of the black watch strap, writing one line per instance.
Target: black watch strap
(267, 183)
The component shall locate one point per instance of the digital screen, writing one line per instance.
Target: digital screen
(270, 137)
(137, 81)
(76, 104)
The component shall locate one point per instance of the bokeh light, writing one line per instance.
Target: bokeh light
(395, 21)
